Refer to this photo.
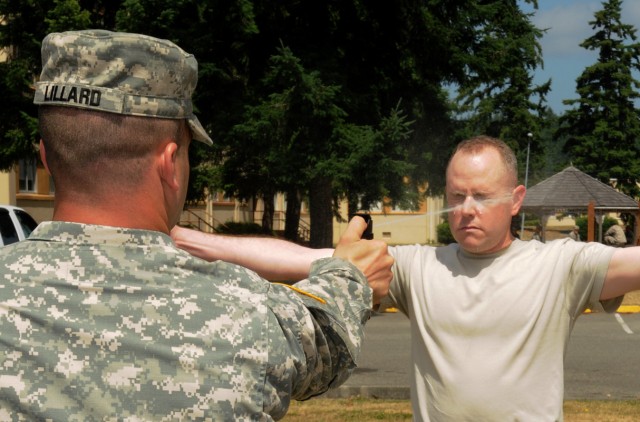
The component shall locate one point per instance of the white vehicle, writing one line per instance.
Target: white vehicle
(15, 224)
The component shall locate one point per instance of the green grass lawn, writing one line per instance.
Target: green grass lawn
(366, 410)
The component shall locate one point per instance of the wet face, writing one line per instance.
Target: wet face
(481, 200)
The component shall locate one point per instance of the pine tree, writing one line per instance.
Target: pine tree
(24, 24)
(384, 65)
(603, 128)
(499, 97)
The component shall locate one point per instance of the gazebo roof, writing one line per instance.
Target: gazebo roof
(572, 189)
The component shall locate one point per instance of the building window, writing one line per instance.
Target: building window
(28, 171)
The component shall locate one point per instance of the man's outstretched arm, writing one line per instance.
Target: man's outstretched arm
(281, 260)
(623, 274)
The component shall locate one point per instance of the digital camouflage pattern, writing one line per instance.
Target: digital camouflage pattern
(102, 324)
(120, 73)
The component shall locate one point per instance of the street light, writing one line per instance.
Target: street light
(526, 178)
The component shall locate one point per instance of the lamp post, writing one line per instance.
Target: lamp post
(526, 178)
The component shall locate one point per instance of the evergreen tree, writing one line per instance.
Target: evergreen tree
(389, 53)
(554, 158)
(24, 25)
(380, 125)
(284, 142)
(20, 34)
(498, 97)
(602, 130)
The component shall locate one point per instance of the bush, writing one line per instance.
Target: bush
(581, 222)
(232, 227)
(444, 233)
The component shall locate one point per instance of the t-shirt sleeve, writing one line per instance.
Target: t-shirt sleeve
(588, 273)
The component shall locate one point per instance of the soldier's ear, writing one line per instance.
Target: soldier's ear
(168, 167)
(43, 156)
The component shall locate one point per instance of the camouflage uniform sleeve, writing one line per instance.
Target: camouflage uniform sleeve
(319, 324)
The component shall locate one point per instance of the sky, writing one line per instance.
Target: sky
(568, 25)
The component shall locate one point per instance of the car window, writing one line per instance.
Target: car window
(27, 222)
(7, 230)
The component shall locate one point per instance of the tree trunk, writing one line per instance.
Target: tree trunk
(292, 221)
(254, 204)
(352, 205)
(320, 211)
(267, 215)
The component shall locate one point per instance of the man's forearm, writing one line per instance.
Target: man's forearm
(273, 259)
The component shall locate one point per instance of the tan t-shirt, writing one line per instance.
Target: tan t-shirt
(489, 332)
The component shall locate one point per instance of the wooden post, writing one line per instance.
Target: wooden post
(636, 231)
(591, 222)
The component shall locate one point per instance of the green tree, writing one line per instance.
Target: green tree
(66, 15)
(603, 128)
(25, 23)
(498, 97)
(283, 142)
(20, 37)
(381, 53)
(297, 141)
(554, 158)
(385, 147)
(380, 125)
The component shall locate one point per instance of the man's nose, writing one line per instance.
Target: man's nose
(469, 205)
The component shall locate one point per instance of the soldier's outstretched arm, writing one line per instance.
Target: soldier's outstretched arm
(273, 259)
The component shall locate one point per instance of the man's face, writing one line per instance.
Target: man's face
(481, 199)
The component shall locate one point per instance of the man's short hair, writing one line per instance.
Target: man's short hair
(479, 143)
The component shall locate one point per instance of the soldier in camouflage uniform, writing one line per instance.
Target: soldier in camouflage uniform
(103, 318)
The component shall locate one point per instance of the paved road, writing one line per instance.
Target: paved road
(603, 359)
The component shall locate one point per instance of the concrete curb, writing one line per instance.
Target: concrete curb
(624, 309)
(369, 391)
(628, 309)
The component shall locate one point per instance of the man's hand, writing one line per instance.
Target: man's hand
(370, 256)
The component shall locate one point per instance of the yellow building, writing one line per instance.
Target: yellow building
(391, 225)
(29, 187)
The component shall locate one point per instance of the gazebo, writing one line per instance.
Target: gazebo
(573, 191)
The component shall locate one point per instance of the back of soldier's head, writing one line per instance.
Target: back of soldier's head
(109, 96)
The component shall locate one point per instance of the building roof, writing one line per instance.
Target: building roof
(572, 190)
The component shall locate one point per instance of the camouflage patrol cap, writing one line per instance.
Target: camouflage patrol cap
(120, 73)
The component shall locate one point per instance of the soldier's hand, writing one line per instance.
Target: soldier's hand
(370, 256)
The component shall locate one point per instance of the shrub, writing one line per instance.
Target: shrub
(581, 222)
(443, 231)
